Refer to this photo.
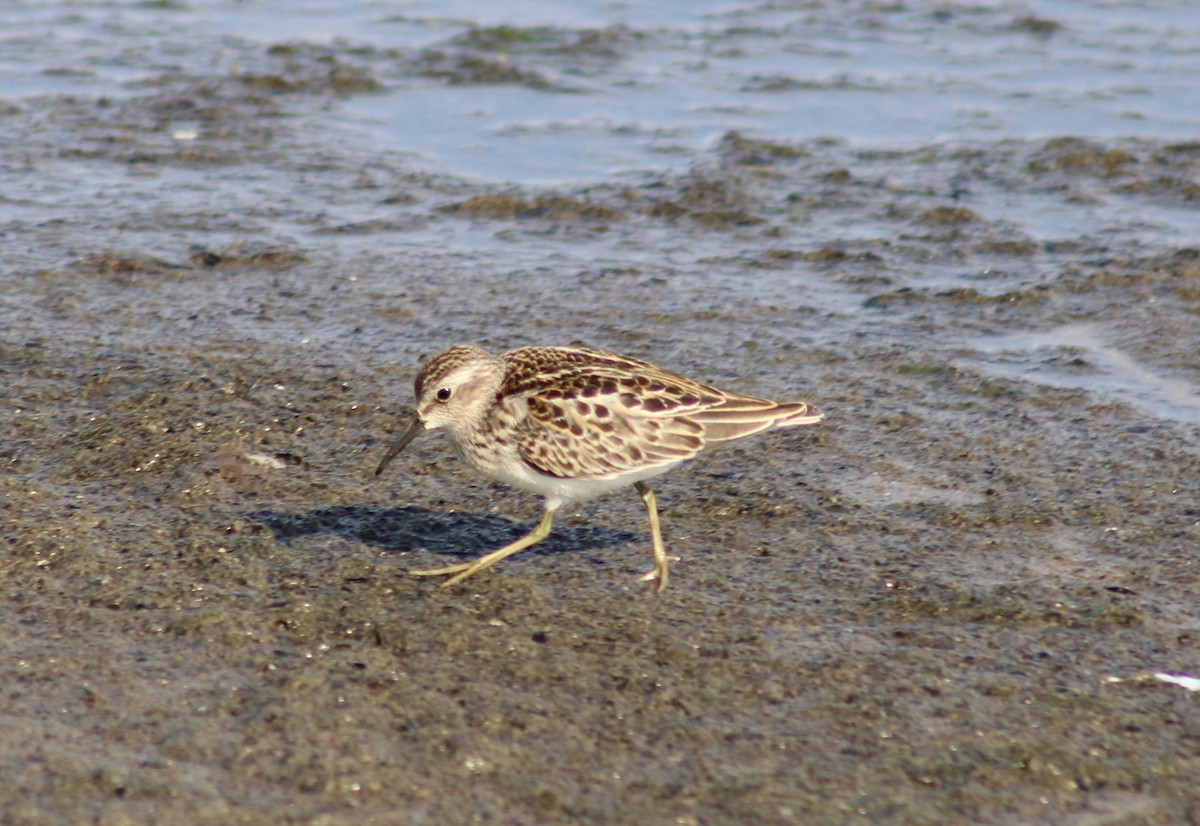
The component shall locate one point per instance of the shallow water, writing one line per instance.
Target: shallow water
(668, 79)
(1076, 355)
(906, 77)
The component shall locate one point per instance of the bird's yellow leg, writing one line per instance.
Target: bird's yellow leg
(486, 561)
(660, 551)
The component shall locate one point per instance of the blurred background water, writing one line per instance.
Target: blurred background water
(679, 74)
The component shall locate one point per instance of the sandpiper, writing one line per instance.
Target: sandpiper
(572, 423)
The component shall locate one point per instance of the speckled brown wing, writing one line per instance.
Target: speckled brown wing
(599, 415)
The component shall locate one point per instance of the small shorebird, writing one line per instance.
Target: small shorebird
(572, 423)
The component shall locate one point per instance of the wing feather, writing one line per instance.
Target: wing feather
(592, 414)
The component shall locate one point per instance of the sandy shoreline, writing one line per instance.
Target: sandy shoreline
(910, 614)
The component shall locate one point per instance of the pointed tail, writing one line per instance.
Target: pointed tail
(742, 416)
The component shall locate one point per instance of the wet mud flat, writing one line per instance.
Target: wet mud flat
(948, 603)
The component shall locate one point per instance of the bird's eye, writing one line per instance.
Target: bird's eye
(443, 395)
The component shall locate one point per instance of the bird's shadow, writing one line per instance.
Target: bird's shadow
(410, 528)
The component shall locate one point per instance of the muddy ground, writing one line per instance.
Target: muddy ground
(946, 604)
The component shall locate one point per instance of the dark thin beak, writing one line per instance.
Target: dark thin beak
(415, 428)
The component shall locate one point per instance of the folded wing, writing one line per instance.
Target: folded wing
(599, 415)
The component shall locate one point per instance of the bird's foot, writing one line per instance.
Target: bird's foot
(658, 574)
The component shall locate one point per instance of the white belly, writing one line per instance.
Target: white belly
(558, 490)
